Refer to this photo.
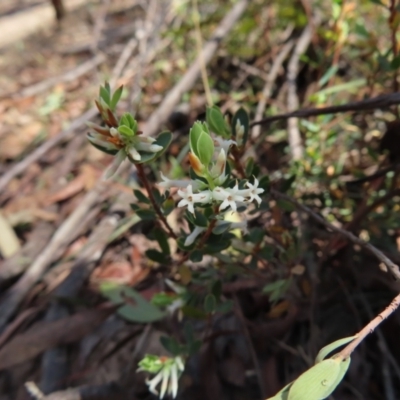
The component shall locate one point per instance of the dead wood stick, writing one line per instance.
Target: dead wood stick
(382, 101)
(173, 97)
(295, 142)
(266, 92)
(68, 76)
(63, 236)
(52, 375)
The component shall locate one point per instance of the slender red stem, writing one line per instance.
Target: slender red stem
(143, 178)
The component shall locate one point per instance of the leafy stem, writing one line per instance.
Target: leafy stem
(143, 178)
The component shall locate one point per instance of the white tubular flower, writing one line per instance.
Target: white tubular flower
(168, 371)
(218, 169)
(170, 183)
(228, 196)
(193, 236)
(113, 168)
(254, 191)
(134, 154)
(144, 143)
(239, 132)
(189, 198)
(223, 144)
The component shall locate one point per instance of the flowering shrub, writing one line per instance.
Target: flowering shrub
(218, 196)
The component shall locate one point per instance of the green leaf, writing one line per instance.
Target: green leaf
(107, 151)
(135, 207)
(162, 240)
(200, 219)
(163, 299)
(148, 215)
(193, 312)
(216, 247)
(267, 253)
(168, 206)
(287, 183)
(164, 139)
(196, 256)
(205, 148)
(344, 366)
(171, 345)
(105, 95)
(194, 347)
(277, 289)
(116, 97)
(194, 134)
(141, 197)
(136, 309)
(216, 122)
(157, 196)
(221, 228)
(125, 130)
(225, 307)
(242, 116)
(216, 289)
(112, 291)
(395, 63)
(317, 383)
(210, 303)
(249, 166)
(331, 347)
(264, 182)
(256, 235)
(283, 393)
(156, 256)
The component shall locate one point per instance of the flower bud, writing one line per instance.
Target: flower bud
(196, 164)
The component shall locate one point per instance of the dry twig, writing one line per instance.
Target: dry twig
(266, 92)
(295, 143)
(172, 98)
(368, 246)
(383, 101)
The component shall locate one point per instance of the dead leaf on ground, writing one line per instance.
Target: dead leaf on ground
(45, 335)
(9, 243)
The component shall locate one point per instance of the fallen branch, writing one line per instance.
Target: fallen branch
(382, 101)
(270, 81)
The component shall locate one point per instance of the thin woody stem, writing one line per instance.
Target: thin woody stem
(202, 241)
(370, 327)
(143, 178)
(238, 163)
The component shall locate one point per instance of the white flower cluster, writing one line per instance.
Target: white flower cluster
(208, 159)
(168, 371)
(228, 197)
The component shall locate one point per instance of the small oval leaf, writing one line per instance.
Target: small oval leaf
(331, 347)
(317, 382)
